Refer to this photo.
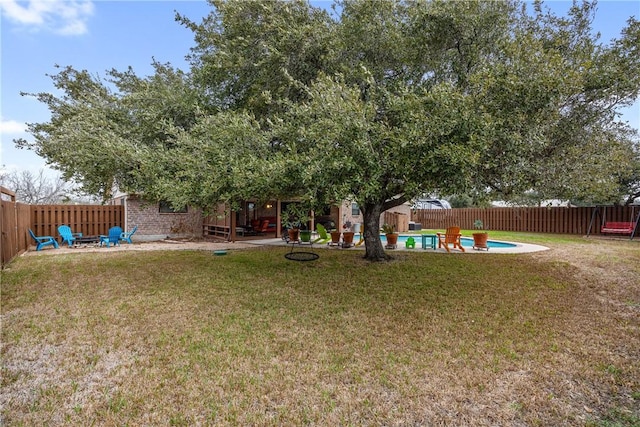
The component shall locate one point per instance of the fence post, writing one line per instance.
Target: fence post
(564, 220)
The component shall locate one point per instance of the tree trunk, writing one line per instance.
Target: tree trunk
(373, 246)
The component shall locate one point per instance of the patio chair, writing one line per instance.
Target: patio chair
(323, 236)
(263, 227)
(410, 243)
(126, 236)
(450, 237)
(67, 235)
(42, 241)
(113, 237)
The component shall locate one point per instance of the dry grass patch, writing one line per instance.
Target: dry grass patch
(186, 338)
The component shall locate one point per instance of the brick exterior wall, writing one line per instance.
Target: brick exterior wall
(346, 214)
(153, 225)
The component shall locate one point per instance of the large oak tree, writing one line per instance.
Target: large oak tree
(373, 101)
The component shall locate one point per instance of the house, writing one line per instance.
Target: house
(158, 220)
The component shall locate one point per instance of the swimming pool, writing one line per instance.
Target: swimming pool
(467, 242)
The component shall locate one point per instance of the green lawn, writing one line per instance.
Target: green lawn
(534, 238)
(186, 338)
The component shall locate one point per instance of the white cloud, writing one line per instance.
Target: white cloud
(9, 127)
(66, 17)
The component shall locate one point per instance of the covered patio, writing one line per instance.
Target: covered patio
(257, 220)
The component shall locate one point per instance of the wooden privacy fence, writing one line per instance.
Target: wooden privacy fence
(17, 218)
(400, 221)
(14, 226)
(90, 220)
(565, 220)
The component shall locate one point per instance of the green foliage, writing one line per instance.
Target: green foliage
(388, 228)
(102, 139)
(296, 215)
(257, 55)
(557, 132)
(372, 104)
(460, 201)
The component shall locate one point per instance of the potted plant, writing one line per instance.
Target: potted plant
(294, 217)
(335, 237)
(480, 237)
(347, 234)
(305, 235)
(390, 233)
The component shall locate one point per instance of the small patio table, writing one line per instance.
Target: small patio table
(432, 243)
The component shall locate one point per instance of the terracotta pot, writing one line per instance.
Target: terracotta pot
(392, 238)
(293, 234)
(347, 237)
(480, 241)
(335, 237)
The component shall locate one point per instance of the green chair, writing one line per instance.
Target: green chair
(323, 236)
(410, 243)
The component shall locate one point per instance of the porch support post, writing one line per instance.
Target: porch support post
(278, 218)
(232, 234)
(313, 220)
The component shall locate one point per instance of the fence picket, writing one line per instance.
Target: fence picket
(557, 220)
(44, 220)
(17, 218)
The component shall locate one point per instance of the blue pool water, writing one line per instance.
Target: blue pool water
(466, 241)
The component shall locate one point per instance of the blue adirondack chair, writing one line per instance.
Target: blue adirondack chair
(126, 236)
(42, 241)
(67, 235)
(113, 237)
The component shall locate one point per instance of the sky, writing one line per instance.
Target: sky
(97, 36)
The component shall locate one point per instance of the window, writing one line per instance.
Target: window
(355, 209)
(165, 207)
